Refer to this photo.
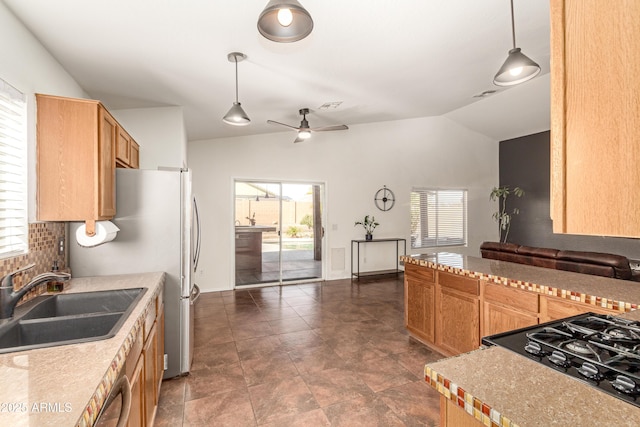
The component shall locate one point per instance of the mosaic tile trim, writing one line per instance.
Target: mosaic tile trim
(99, 398)
(465, 400)
(621, 306)
(43, 250)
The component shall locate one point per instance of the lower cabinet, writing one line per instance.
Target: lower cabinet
(419, 296)
(505, 309)
(553, 308)
(143, 367)
(452, 415)
(458, 309)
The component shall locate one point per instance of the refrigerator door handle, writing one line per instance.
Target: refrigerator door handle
(196, 220)
(195, 294)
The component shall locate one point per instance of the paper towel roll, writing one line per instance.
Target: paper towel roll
(105, 232)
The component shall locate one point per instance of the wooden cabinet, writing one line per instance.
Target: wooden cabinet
(75, 160)
(127, 150)
(595, 117)
(143, 366)
(458, 313)
(452, 415)
(77, 144)
(505, 309)
(419, 299)
(553, 308)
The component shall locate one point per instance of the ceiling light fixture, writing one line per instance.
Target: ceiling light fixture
(236, 115)
(518, 67)
(285, 21)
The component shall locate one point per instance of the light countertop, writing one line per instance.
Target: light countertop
(496, 385)
(67, 385)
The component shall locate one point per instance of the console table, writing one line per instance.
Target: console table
(357, 273)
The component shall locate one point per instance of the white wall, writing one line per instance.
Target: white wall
(354, 164)
(28, 67)
(160, 133)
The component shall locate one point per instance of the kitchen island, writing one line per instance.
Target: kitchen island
(494, 386)
(67, 385)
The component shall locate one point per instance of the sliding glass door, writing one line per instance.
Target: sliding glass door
(278, 232)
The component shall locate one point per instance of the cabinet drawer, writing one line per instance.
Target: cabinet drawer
(420, 273)
(515, 298)
(459, 283)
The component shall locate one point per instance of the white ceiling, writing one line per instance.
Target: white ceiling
(383, 59)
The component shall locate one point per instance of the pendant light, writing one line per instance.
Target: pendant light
(518, 67)
(285, 21)
(236, 115)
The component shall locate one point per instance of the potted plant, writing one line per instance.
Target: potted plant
(369, 223)
(501, 216)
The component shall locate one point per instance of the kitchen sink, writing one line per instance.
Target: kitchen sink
(111, 301)
(63, 319)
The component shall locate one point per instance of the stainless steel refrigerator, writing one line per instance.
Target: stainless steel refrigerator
(159, 231)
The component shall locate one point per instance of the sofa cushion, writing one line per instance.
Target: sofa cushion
(499, 246)
(618, 263)
(538, 252)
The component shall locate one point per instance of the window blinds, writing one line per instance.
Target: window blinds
(13, 172)
(438, 218)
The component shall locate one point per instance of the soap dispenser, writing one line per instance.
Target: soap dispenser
(55, 285)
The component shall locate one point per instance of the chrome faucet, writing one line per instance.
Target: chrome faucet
(9, 298)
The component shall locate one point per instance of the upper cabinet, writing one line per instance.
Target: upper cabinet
(77, 141)
(595, 117)
(126, 151)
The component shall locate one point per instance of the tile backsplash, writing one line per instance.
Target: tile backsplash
(43, 251)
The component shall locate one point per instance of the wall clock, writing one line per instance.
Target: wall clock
(384, 199)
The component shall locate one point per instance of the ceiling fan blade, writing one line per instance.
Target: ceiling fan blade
(273, 122)
(327, 128)
(298, 139)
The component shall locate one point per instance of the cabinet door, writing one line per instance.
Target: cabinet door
(106, 165)
(420, 308)
(458, 325)
(160, 353)
(498, 318)
(505, 308)
(595, 118)
(136, 414)
(452, 415)
(134, 162)
(150, 355)
(123, 148)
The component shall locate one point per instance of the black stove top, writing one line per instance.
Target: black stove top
(603, 351)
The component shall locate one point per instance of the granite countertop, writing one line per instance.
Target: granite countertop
(67, 385)
(496, 385)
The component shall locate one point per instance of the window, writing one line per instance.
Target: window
(14, 233)
(438, 218)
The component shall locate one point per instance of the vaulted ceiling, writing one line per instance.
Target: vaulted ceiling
(379, 60)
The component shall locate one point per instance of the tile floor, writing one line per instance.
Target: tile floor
(322, 354)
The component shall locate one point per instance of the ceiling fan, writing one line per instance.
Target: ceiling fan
(304, 131)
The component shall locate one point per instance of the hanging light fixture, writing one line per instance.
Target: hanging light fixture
(236, 115)
(285, 21)
(518, 67)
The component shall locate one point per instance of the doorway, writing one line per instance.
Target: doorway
(278, 232)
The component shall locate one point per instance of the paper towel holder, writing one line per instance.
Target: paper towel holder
(90, 227)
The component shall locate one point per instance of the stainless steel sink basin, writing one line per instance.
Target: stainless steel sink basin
(68, 319)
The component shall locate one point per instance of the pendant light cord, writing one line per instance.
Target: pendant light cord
(513, 27)
(235, 58)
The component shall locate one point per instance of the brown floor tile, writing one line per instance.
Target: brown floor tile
(274, 313)
(335, 385)
(415, 403)
(285, 326)
(262, 368)
(362, 412)
(206, 337)
(215, 355)
(245, 331)
(383, 373)
(209, 381)
(224, 409)
(297, 340)
(276, 400)
(260, 345)
(316, 359)
(416, 357)
(315, 418)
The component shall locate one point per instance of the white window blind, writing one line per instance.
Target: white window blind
(438, 218)
(14, 233)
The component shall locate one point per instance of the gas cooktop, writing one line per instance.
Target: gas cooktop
(601, 350)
